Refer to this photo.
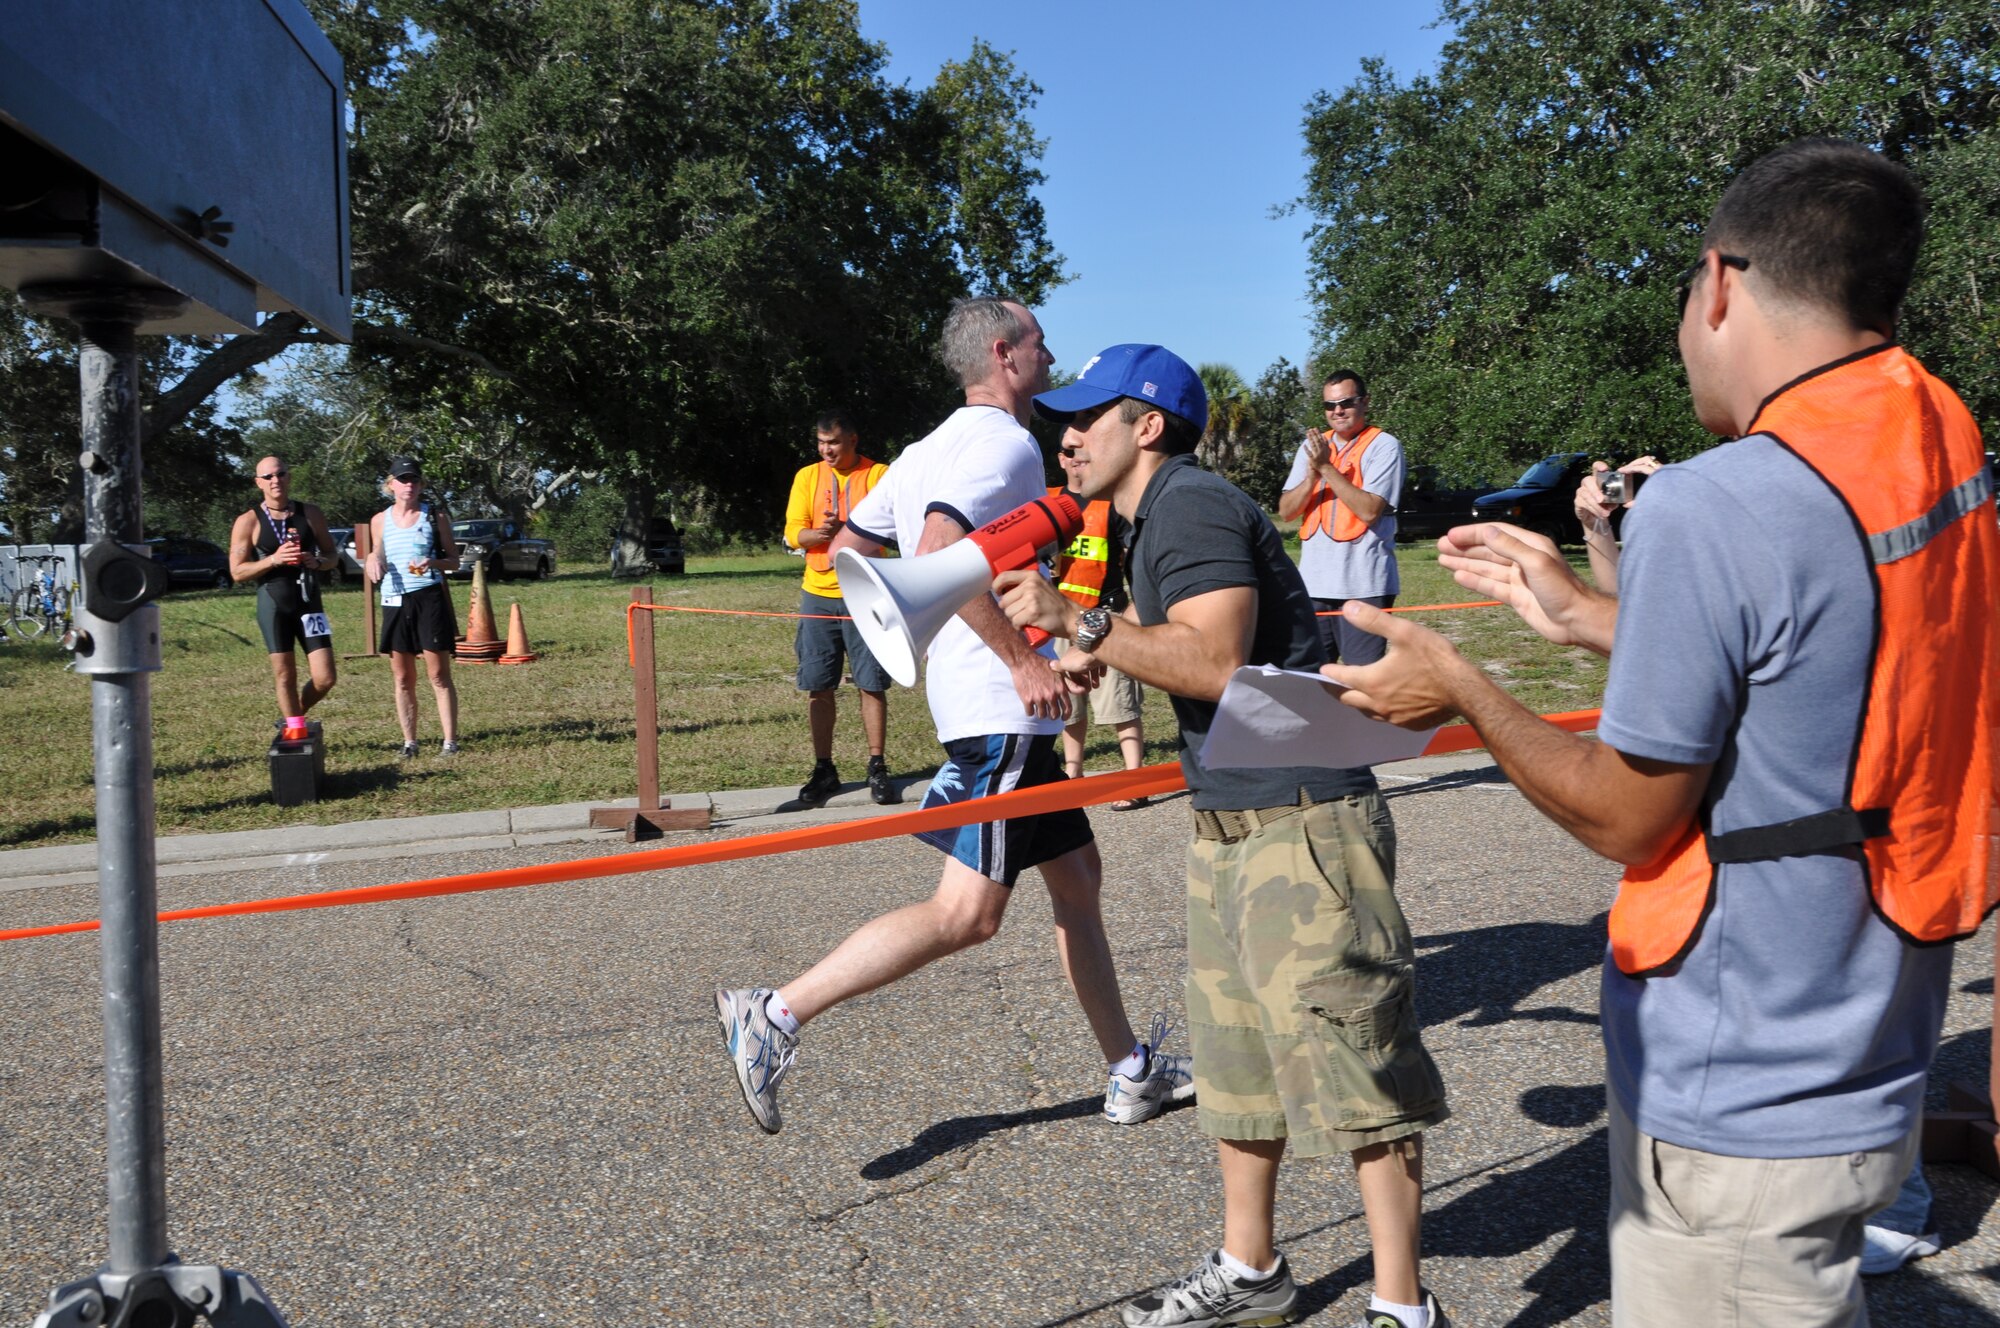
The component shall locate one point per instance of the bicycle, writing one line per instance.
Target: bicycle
(43, 604)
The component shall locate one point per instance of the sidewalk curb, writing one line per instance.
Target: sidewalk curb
(523, 827)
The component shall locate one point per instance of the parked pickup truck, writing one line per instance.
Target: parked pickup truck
(1427, 511)
(499, 542)
(1543, 499)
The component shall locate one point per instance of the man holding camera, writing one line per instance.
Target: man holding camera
(1796, 759)
(823, 494)
(1343, 489)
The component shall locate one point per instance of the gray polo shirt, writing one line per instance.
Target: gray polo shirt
(1798, 1024)
(1194, 533)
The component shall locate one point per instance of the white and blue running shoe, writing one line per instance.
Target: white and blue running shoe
(761, 1051)
(1164, 1079)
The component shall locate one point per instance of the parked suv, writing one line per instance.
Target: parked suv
(1428, 511)
(664, 553)
(499, 542)
(192, 562)
(1543, 499)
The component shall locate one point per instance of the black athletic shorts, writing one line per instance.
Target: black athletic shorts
(423, 621)
(290, 619)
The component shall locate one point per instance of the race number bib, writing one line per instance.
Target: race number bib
(314, 624)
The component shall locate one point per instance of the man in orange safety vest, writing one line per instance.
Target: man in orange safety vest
(1796, 758)
(1343, 489)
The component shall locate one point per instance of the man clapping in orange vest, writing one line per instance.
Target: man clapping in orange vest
(822, 496)
(1342, 490)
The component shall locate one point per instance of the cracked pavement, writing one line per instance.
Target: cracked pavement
(514, 1106)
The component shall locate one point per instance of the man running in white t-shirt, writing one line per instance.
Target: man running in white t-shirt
(999, 708)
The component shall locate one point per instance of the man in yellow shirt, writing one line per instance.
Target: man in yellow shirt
(823, 493)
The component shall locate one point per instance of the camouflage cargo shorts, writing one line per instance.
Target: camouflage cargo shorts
(1301, 996)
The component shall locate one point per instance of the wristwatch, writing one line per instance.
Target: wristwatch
(1092, 626)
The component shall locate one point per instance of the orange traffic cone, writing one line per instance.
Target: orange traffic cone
(517, 640)
(482, 644)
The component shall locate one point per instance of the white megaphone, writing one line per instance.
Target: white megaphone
(900, 604)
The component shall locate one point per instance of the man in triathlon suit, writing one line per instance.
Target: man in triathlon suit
(412, 548)
(281, 545)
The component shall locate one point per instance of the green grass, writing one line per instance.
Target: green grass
(558, 730)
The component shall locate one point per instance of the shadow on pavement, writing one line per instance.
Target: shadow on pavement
(934, 1141)
(1484, 974)
(1451, 779)
(1562, 1195)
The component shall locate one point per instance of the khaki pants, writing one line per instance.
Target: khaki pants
(1741, 1242)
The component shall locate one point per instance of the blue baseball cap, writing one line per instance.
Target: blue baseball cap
(1152, 374)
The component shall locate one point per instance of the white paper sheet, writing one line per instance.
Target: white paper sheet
(1276, 717)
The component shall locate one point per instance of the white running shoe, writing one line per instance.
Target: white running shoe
(1884, 1251)
(760, 1050)
(1166, 1078)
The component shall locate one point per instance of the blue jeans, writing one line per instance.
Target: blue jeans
(1911, 1212)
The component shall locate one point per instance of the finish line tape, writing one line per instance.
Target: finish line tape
(1070, 793)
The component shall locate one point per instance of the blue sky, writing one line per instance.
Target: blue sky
(1173, 129)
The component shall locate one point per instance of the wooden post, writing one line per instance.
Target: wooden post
(646, 700)
(654, 813)
(364, 545)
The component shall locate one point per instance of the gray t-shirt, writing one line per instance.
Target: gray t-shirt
(1798, 1024)
(1194, 533)
(1364, 566)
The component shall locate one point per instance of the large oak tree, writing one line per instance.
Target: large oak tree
(1496, 243)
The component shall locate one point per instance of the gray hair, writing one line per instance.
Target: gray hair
(971, 328)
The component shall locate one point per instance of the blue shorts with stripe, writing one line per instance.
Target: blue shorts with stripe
(978, 767)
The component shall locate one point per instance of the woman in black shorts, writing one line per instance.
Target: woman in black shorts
(413, 546)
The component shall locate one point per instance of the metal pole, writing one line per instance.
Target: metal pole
(121, 711)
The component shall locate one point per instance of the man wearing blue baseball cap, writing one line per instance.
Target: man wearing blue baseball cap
(1300, 996)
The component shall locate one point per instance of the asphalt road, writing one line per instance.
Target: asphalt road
(513, 1107)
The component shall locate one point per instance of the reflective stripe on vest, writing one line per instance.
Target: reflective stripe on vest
(833, 500)
(1081, 567)
(1343, 525)
(1905, 458)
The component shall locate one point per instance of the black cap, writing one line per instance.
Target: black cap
(403, 468)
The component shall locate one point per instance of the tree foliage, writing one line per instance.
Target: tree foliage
(1496, 244)
(647, 238)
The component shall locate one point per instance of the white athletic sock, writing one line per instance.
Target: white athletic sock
(781, 1015)
(1134, 1063)
(1412, 1316)
(1242, 1271)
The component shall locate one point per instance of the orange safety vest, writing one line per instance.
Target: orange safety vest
(1904, 455)
(834, 498)
(1344, 525)
(1081, 567)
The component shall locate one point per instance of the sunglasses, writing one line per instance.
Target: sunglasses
(1685, 286)
(406, 479)
(1342, 403)
(275, 475)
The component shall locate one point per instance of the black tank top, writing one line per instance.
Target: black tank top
(271, 530)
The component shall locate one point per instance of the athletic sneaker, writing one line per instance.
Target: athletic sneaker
(1384, 1319)
(761, 1051)
(291, 732)
(822, 784)
(1884, 1251)
(1211, 1295)
(1163, 1079)
(408, 752)
(449, 749)
(885, 793)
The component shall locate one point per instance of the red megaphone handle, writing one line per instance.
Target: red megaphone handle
(1017, 539)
